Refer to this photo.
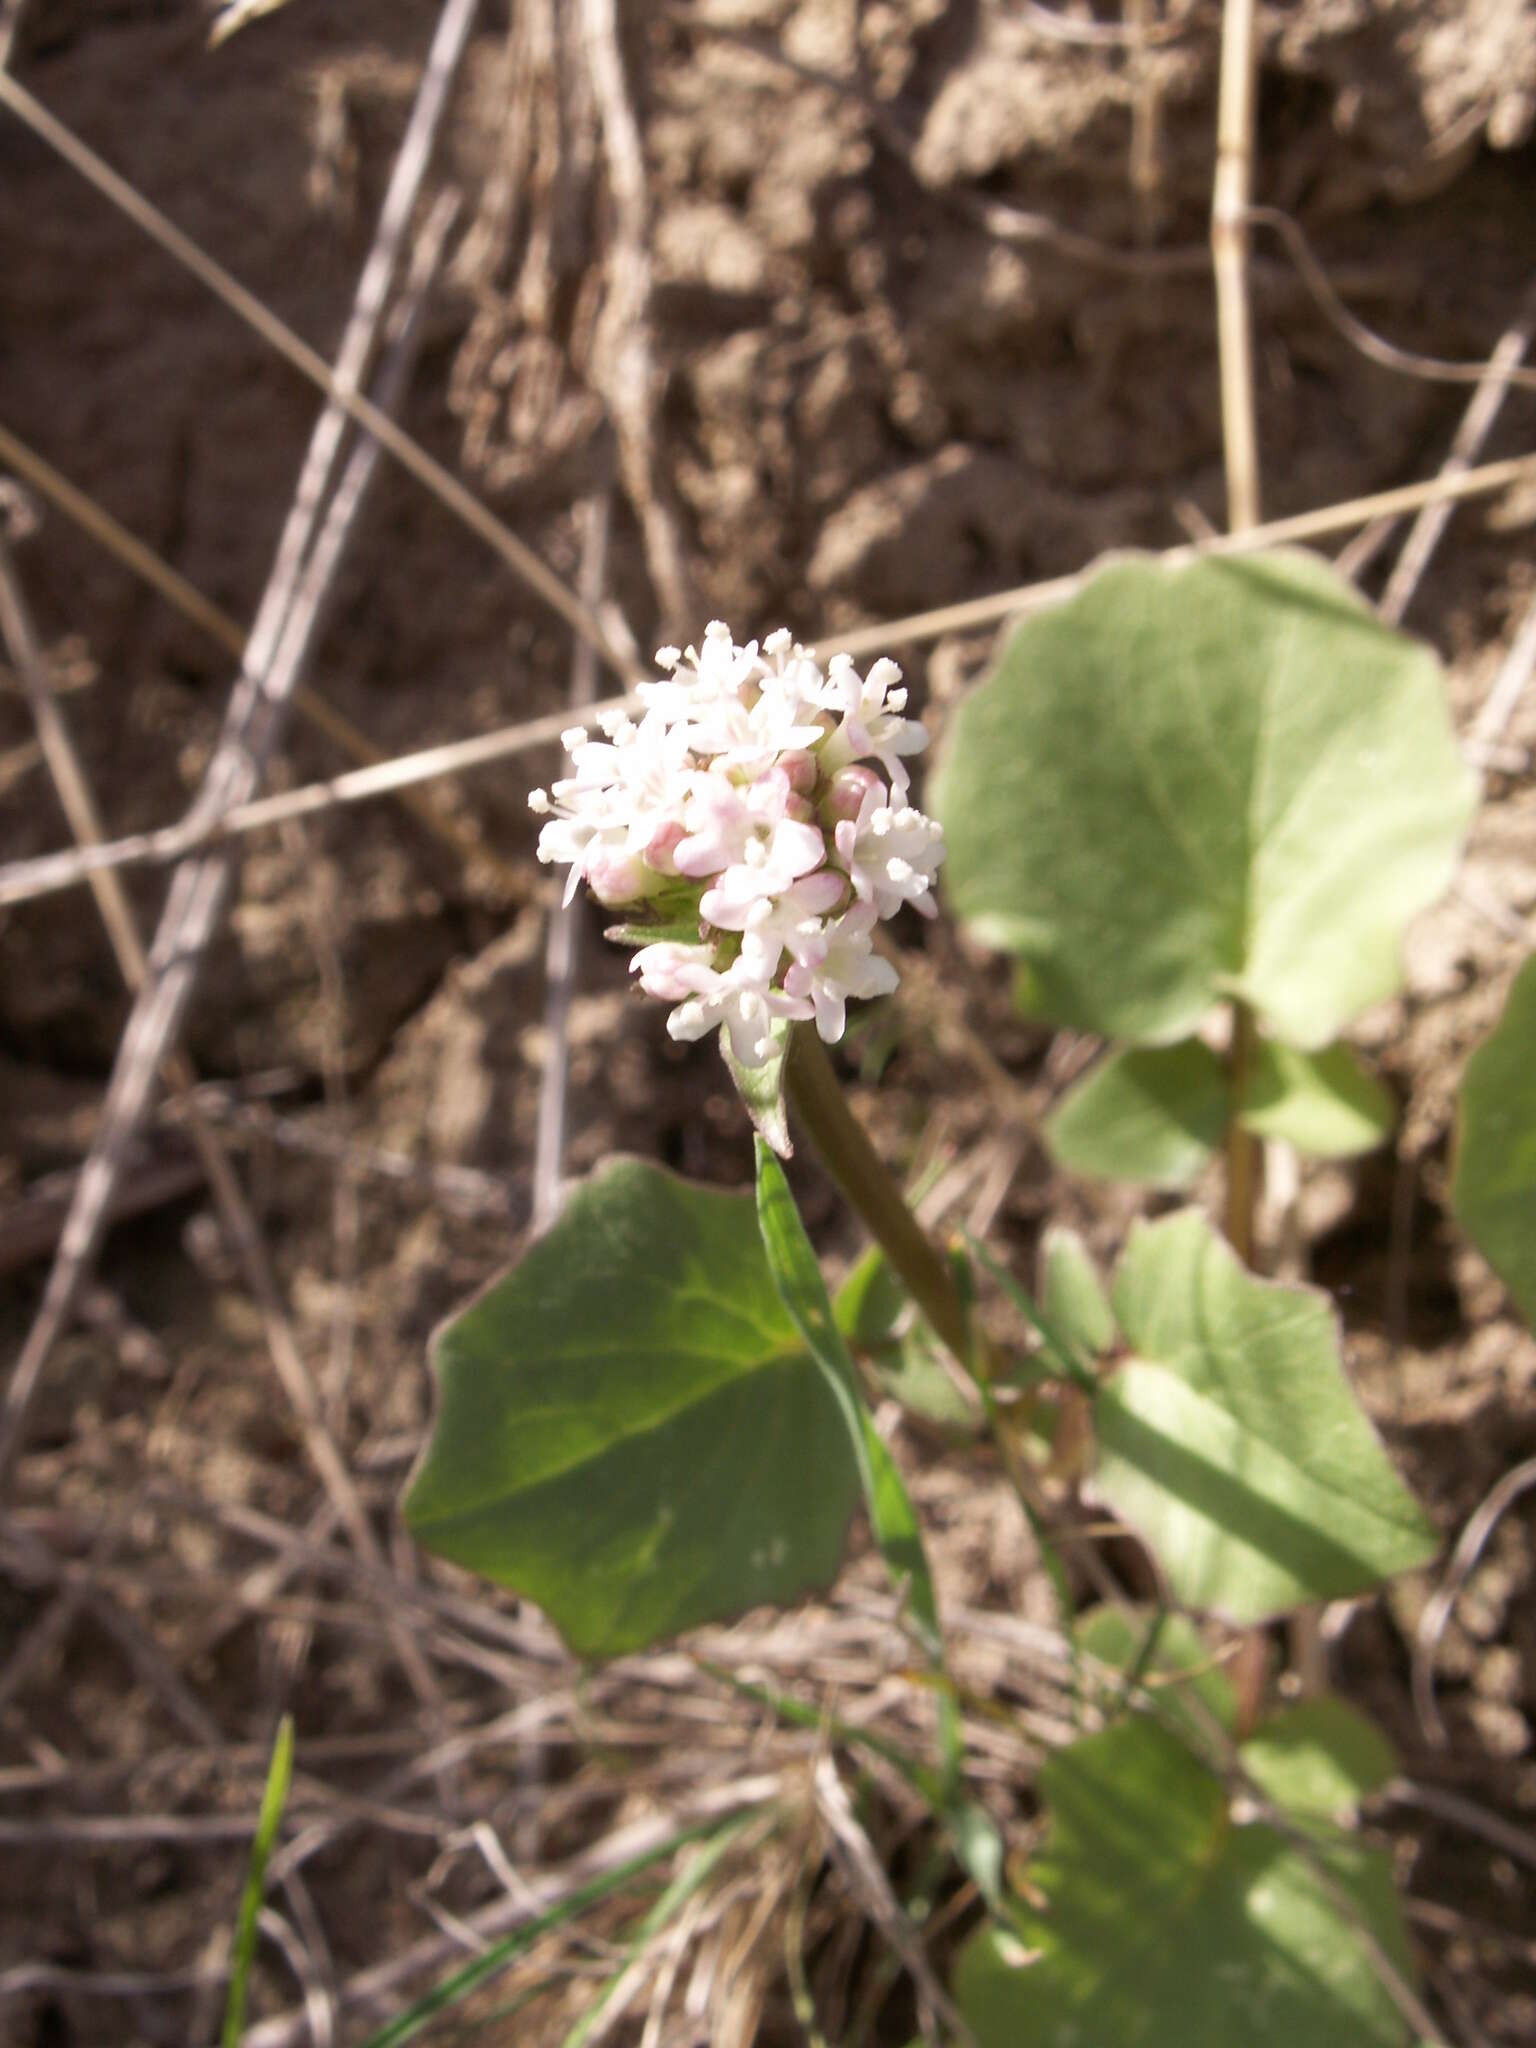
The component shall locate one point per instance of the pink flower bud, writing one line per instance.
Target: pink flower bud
(848, 789)
(802, 769)
(663, 845)
(616, 879)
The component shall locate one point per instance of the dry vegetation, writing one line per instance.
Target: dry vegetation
(799, 310)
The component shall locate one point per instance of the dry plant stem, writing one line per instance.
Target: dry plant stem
(10, 20)
(563, 941)
(220, 626)
(623, 356)
(1476, 425)
(1297, 528)
(47, 874)
(867, 1183)
(372, 1986)
(1508, 686)
(1234, 333)
(279, 646)
(235, 1212)
(1229, 257)
(1438, 1610)
(411, 456)
(1244, 1158)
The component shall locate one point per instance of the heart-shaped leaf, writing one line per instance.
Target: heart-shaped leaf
(1319, 1759)
(1226, 779)
(1324, 1103)
(1493, 1190)
(1152, 1115)
(631, 1430)
(1155, 1115)
(1232, 1441)
(1159, 1920)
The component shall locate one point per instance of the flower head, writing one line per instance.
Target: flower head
(765, 798)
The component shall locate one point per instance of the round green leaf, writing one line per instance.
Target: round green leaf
(1153, 1115)
(630, 1429)
(1493, 1190)
(1164, 1922)
(1324, 1103)
(1232, 1439)
(1319, 1759)
(1226, 779)
(1072, 1293)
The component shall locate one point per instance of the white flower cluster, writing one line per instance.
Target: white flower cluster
(765, 797)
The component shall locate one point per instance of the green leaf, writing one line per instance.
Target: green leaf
(1154, 1116)
(875, 1315)
(1164, 1923)
(1324, 1103)
(630, 1431)
(269, 1819)
(684, 931)
(870, 1302)
(1170, 1659)
(762, 1088)
(1493, 1188)
(1073, 1296)
(804, 1292)
(1058, 1357)
(1319, 1759)
(1232, 1440)
(1226, 779)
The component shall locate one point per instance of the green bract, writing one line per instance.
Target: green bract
(1072, 1294)
(1494, 1188)
(1224, 780)
(1160, 1915)
(1324, 1103)
(1157, 1113)
(630, 1430)
(1153, 1114)
(1231, 1438)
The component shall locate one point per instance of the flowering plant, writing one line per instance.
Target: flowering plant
(759, 808)
(1197, 808)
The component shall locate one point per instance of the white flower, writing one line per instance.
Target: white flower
(871, 726)
(767, 798)
(892, 854)
(844, 966)
(738, 999)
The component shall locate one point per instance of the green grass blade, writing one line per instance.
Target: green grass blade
(1057, 1354)
(273, 1799)
(804, 1292)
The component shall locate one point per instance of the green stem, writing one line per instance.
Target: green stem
(866, 1181)
(1244, 1158)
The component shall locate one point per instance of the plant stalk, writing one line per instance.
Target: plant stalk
(1244, 1155)
(818, 1100)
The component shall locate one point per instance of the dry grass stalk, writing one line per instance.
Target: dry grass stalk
(409, 453)
(1476, 425)
(623, 350)
(563, 938)
(26, 881)
(94, 519)
(279, 645)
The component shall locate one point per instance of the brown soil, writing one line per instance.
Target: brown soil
(874, 396)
